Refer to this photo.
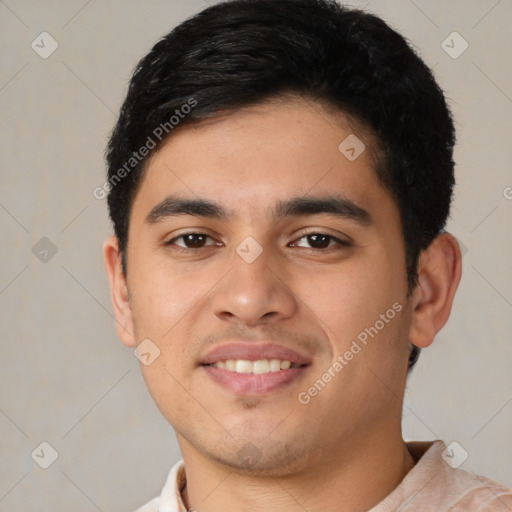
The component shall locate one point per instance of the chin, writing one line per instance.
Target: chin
(267, 452)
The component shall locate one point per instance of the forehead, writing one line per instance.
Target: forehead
(252, 159)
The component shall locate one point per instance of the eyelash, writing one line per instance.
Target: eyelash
(340, 243)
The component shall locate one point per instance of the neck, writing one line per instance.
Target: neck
(355, 480)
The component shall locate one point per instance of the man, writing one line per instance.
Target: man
(280, 177)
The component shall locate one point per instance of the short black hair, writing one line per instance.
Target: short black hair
(239, 53)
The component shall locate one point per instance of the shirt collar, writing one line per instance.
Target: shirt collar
(170, 499)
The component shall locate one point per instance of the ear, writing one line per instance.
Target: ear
(439, 272)
(118, 291)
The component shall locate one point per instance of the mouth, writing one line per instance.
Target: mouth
(259, 367)
(249, 369)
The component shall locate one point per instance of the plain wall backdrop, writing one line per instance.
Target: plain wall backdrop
(68, 381)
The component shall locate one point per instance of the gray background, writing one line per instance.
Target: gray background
(67, 380)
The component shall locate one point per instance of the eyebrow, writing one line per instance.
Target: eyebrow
(336, 205)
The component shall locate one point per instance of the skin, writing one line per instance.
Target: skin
(345, 446)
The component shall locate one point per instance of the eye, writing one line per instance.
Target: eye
(316, 241)
(321, 241)
(191, 241)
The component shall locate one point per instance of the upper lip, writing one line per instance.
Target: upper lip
(253, 351)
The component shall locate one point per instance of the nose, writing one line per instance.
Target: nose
(254, 292)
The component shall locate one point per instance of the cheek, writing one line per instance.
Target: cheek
(160, 296)
(158, 302)
(166, 301)
(350, 297)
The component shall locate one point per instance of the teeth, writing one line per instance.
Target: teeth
(275, 365)
(258, 367)
(243, 366)
(262, 366)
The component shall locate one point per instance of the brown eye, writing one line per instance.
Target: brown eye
(194, 240)
(191, 241)
(320, 241)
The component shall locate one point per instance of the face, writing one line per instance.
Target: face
(266, 266)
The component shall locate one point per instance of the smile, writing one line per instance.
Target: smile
(259, 367)
(253, 369)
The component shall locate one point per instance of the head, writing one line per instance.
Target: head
(312, 138)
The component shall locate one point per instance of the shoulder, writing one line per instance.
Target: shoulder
(151, 506)
(482, 495)
(170, 497)
(437, 483)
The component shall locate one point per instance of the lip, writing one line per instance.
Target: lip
(252, 351)
(248, 384)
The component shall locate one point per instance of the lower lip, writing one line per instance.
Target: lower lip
(253, 384)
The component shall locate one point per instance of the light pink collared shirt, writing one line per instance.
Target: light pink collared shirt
(432, 485)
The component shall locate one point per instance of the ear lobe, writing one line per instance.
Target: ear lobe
(118, 292)
(439, 272)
